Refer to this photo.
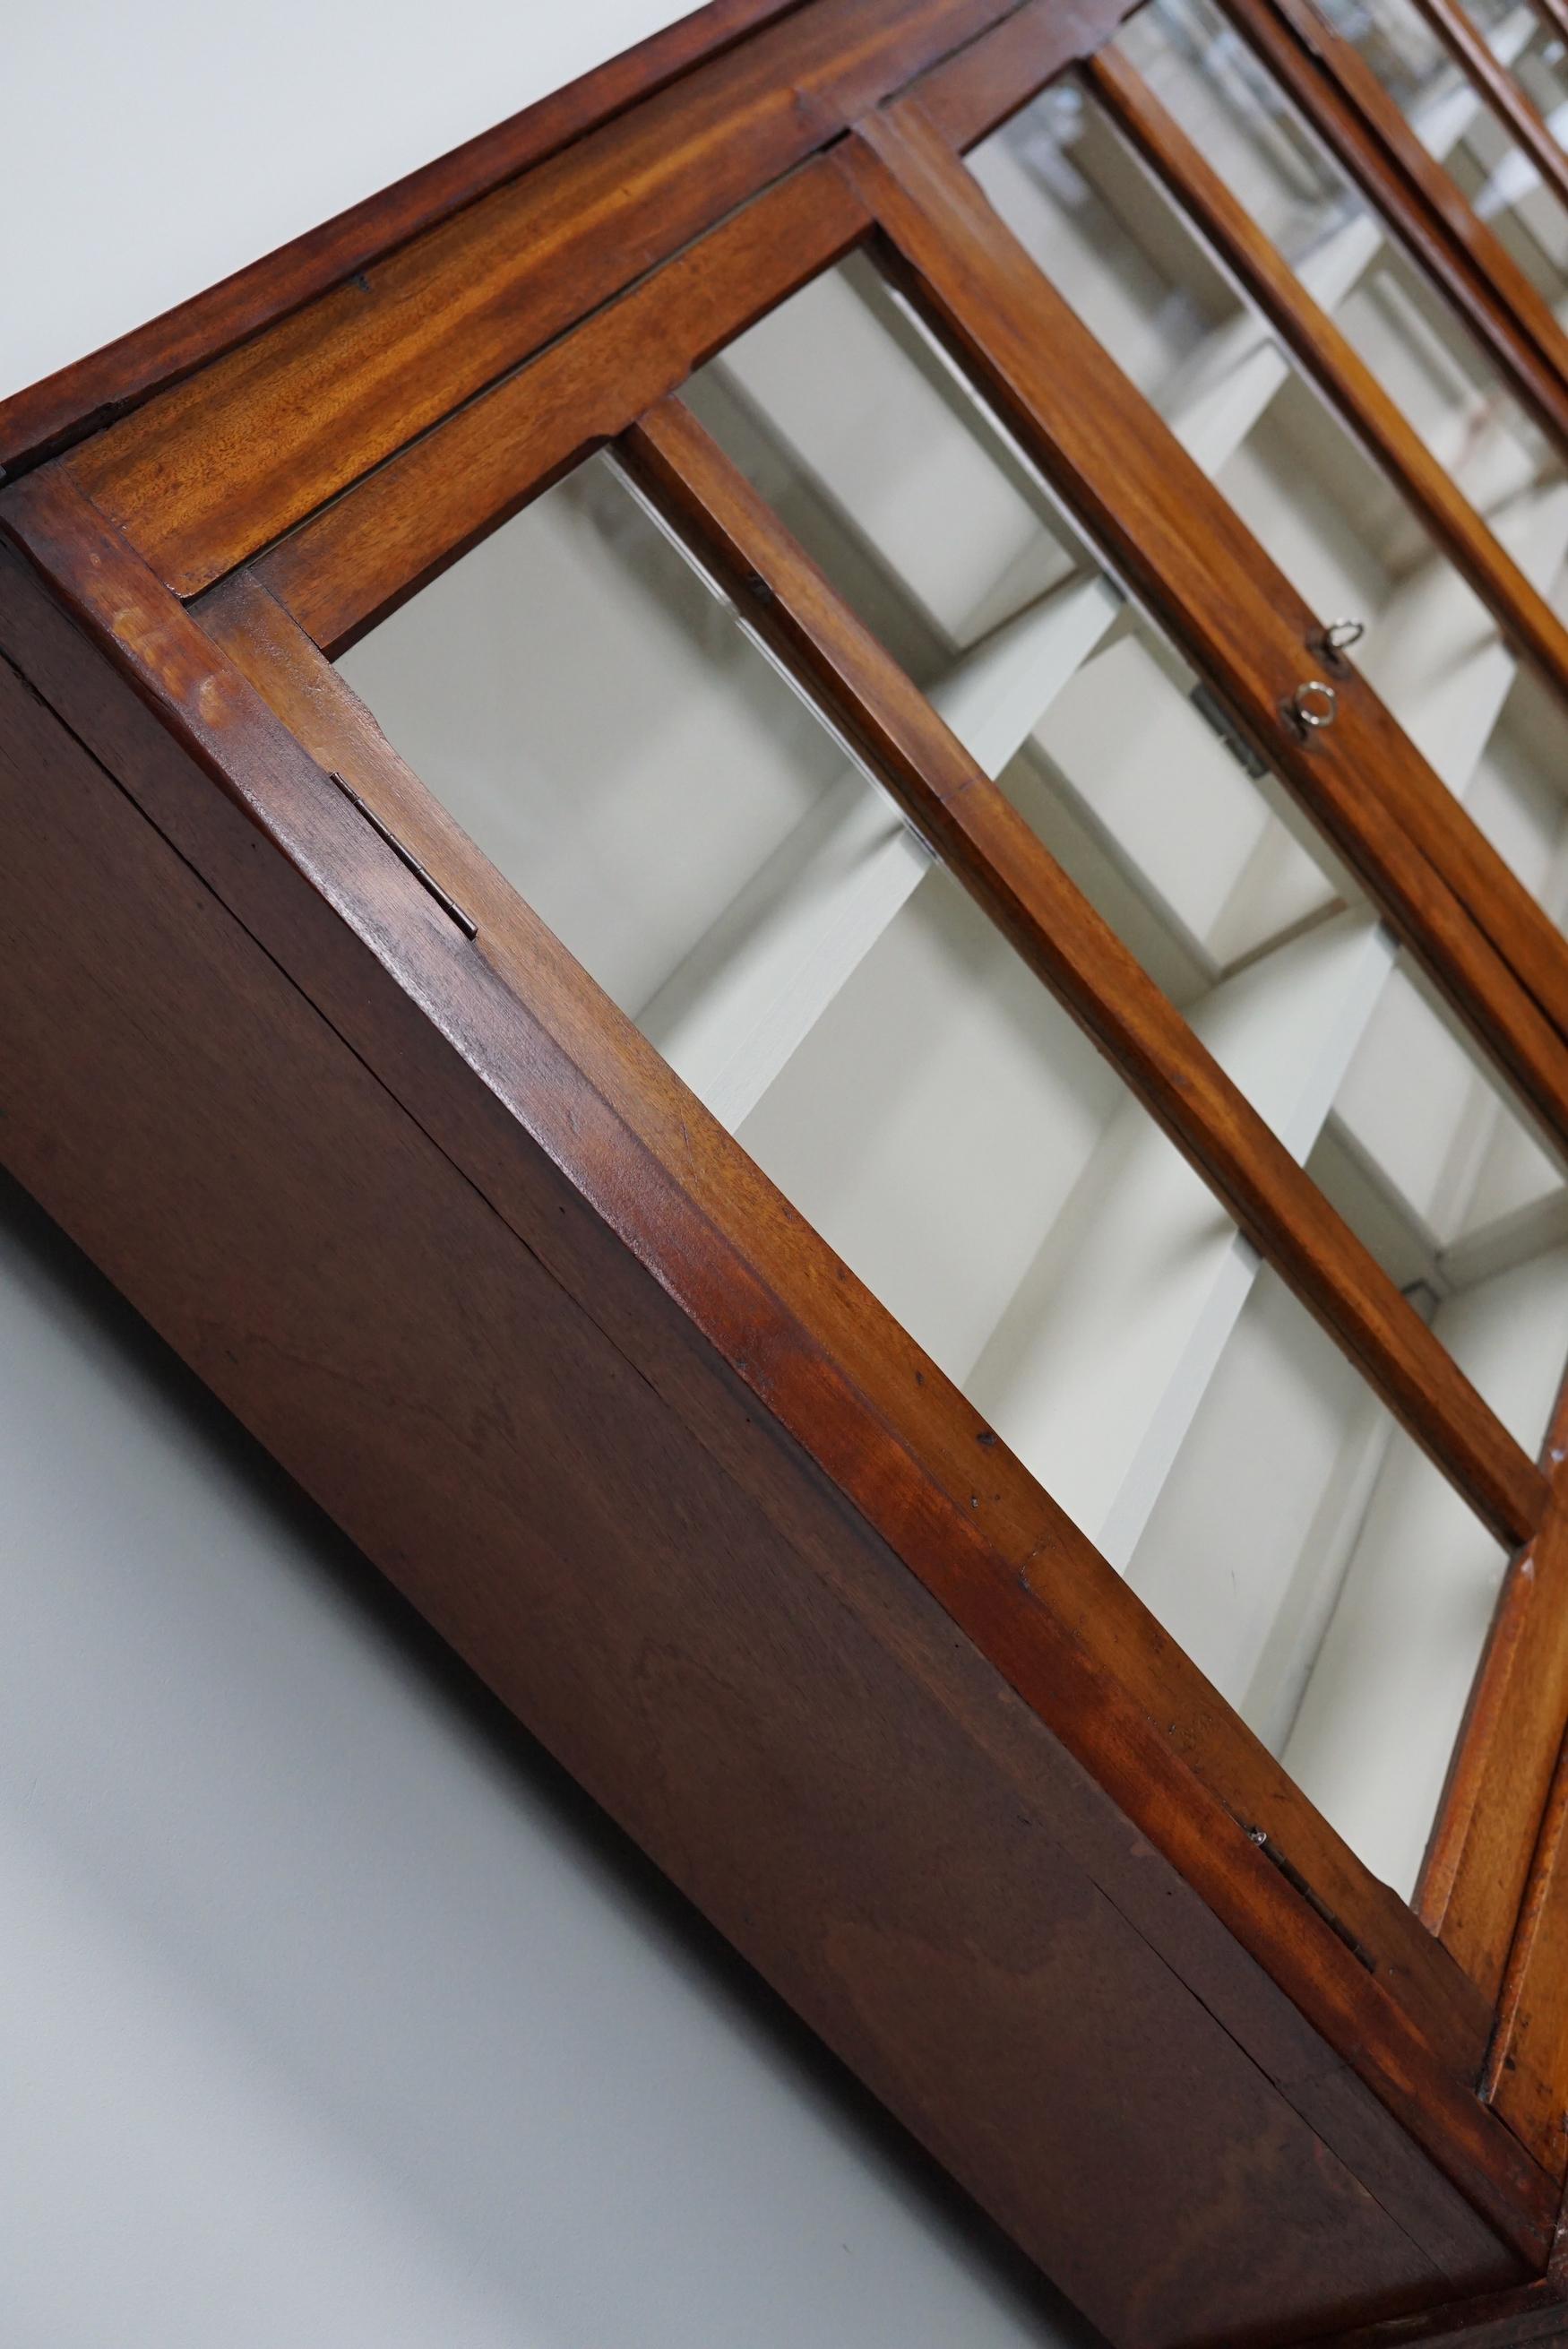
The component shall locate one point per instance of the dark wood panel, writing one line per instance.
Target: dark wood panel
(489, 1042)
(213, 471)
(1334, 363)
(1005, 868)
(1506, 2320)
(384, 538)
(792, 1743)
(1170, 533)
(95, 390)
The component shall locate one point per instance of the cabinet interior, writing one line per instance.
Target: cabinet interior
(715, 856)
(1485, 158)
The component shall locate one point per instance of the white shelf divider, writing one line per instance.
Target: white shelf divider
(751, 990)
(1095, 1369)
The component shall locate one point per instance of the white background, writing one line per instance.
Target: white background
(152, 146)
(330, 2016)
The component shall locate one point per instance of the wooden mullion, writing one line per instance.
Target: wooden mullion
(1462, 37)
(1477, 1861)
(1347, 106)
(1005, 868)
(1174, 537)
(1495, 1884)
(1499, 275)
(1334, 363)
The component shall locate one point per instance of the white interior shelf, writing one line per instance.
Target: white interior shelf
(713, 856)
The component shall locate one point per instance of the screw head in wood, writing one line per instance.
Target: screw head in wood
(1313, 706)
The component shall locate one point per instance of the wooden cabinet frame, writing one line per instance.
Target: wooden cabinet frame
(302, 1072)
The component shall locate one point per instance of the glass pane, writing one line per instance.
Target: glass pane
(1399, 45)
(1540, 67)
(1116, 245)
(612, 739)
(1095, 725)
(1250, 135)
(577, 699)
(1481, 155)
(1342, 1595)
(1201, 68)
(1423, 1154)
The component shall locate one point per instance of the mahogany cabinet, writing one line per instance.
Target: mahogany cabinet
(784, 862)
